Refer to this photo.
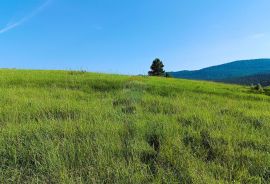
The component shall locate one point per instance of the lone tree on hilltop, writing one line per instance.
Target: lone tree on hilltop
(157, 68)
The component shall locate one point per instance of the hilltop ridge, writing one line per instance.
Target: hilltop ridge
(223, 72)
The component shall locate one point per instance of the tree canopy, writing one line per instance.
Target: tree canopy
(157, 68)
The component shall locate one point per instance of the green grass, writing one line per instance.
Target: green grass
(78, 127)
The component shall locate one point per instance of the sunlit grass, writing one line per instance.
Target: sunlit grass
(78, 127)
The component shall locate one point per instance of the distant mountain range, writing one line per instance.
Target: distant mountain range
(244, 72)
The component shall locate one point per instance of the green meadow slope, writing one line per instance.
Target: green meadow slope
(76, 127)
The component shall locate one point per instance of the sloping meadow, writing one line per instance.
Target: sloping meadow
(79, 127)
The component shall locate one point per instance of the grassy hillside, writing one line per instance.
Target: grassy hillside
(229, 70)
(76, 127)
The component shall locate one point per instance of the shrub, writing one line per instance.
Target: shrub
(168, 75)
(258, 88)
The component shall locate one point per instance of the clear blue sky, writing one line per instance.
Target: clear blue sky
(124, 36)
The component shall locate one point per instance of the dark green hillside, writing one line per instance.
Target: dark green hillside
(78, 127)
(230, 70)
(263, 79)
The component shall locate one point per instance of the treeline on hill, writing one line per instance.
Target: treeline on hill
(263, 79)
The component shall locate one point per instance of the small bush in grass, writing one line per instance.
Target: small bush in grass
(258, 88)
(168, 75)
(77, 72)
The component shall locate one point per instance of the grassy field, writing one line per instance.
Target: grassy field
(77, 127)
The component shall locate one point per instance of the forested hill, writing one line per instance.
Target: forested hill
(226, 71)
(263, 79)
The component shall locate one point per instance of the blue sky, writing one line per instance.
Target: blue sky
(124, 36)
